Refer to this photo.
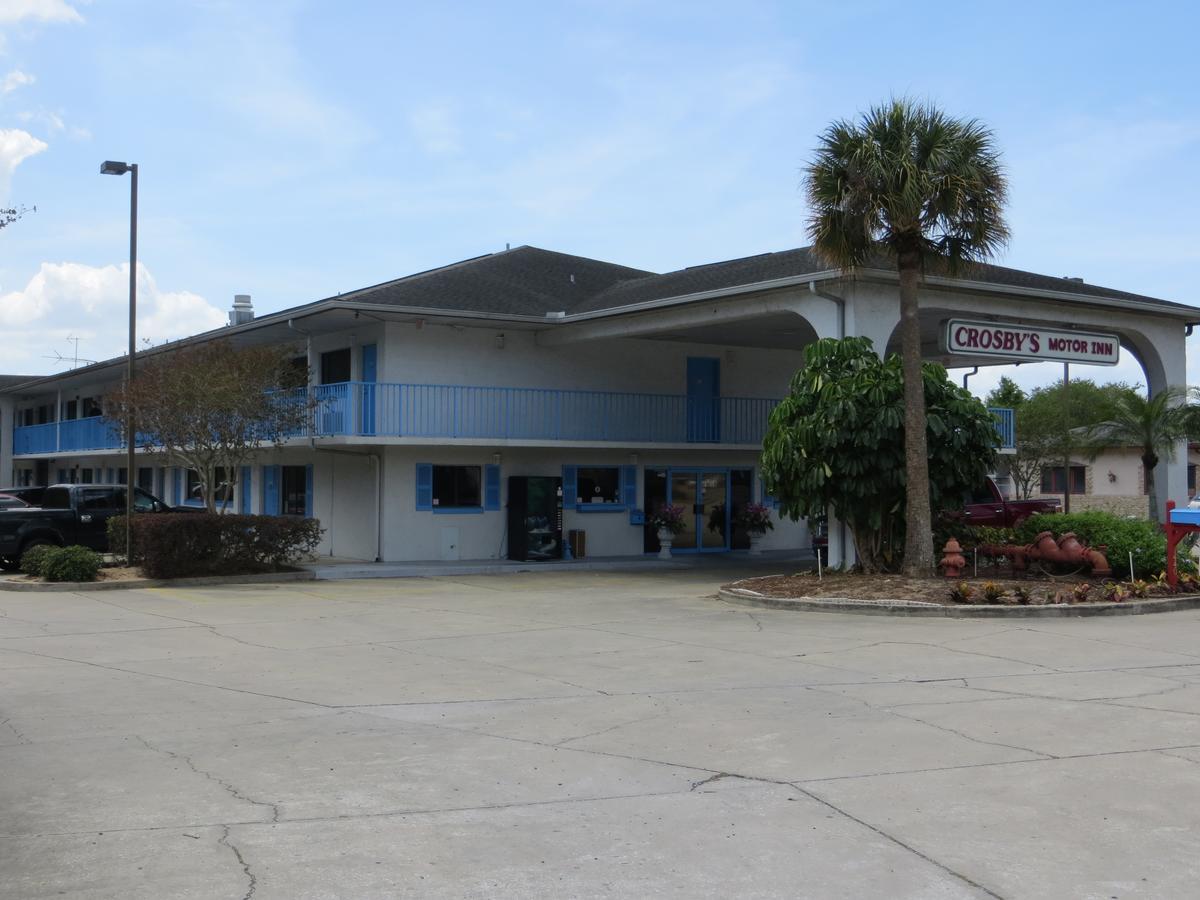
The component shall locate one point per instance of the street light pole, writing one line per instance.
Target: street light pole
(119, 168)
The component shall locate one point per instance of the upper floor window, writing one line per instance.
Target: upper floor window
(335, 366)
(457, 486)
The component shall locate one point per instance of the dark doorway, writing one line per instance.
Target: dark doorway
(335, 366)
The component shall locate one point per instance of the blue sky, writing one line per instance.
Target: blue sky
(293, 150)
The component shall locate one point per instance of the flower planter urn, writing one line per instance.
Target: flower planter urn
(666, 537)
(756, 539)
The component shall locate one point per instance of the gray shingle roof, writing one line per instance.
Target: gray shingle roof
(529, 281)
(524, 281)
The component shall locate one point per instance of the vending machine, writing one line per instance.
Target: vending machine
(535, 517)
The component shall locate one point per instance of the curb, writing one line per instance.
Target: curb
(38, 587)
(911, 608)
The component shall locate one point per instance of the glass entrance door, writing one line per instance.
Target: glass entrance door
(704, 497)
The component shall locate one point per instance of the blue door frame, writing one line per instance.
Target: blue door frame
(699, 472)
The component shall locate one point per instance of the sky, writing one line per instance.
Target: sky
(295, 150)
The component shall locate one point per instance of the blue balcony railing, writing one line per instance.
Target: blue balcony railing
(1006, 427)
(487, 413)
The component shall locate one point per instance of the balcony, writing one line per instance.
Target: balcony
(452, 412)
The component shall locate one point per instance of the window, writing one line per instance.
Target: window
(85, 476)
(122, 475)
(222, 487)
(145, 478)
(335, 366)
(1054, 483)
(598, 484)
(294, 490)
(97, 500)
(72, 410)
(456, 486)
(90, 407)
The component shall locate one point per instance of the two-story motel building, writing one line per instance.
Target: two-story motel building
(635, 388)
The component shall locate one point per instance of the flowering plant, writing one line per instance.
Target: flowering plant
(668, 517)
(755, 518)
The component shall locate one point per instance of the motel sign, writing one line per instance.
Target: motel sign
(1020, 342)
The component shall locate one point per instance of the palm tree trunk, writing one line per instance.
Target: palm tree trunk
(918, 541)
(1149, 464)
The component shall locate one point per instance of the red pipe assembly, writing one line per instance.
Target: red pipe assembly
(1066, 551)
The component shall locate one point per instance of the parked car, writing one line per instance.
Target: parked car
(8, 501)
(988, 507)
(30, 494)
(68, 514)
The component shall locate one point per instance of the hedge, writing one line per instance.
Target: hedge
(73, 563)
(1121, 536)
(177, 545)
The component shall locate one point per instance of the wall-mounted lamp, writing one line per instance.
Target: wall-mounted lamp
(499, 342)
(633, 458)
(495, 459)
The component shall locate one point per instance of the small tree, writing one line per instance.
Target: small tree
(1153, 425)
(836, 443)
(212, 406)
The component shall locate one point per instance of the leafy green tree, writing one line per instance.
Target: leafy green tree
(836, 444)
(927, 190)
(1007, 394)
(1154, 425)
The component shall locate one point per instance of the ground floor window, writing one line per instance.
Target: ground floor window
(598, 484)
(86, 476)
(145, 479)
(1053, 481)
(222, 486)
(457, 486)
(294, 490)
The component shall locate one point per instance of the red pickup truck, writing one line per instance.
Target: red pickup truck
(988, 507)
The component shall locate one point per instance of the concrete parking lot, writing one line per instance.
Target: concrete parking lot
(586, 735)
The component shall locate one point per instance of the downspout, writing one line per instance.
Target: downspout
(974, 371)
(832, 298)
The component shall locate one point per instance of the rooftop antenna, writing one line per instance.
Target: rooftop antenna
(74, 360)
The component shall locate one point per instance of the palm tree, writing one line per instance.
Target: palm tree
(1155, 425)
(923, 189)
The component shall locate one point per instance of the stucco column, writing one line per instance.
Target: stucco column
(1163, 355)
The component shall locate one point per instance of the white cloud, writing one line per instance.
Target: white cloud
(15, 79)
(15, 147)
(13, 11)
(91, 303)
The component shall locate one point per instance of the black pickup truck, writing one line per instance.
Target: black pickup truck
(68, 514)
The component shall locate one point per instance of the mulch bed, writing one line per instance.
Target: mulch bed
(900, 587)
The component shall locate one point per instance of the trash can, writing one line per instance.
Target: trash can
(577, 540)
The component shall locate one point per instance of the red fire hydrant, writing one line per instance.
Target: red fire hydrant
(952, 563)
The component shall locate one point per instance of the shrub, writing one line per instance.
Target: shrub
(992, 592)
(34, 558)
(961, 593)
(72, 563)
(177, 545)
(1120, 536)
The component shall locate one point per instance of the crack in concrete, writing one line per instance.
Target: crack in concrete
(216, 779)
(21, 738)
(250, 876)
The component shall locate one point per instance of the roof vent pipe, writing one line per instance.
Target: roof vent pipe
(243, 310)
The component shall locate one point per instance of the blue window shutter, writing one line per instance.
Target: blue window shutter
(308, 491)
(570, 486)
(491, 487)
(270, 490)
(244, 491)
(176, 489)
(424, 486)
(629, 486)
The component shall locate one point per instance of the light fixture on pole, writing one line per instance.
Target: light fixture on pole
(110, 167)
